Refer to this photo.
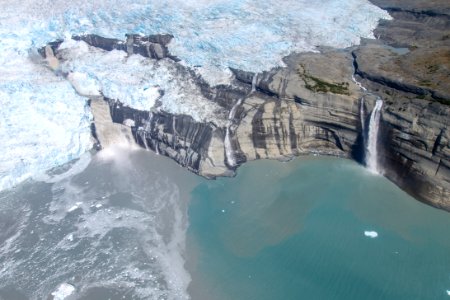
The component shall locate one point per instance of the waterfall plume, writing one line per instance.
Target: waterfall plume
(372, 140)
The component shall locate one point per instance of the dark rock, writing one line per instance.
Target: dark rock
(101, 42)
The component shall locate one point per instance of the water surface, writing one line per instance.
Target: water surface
(134, 225)
(301, 230)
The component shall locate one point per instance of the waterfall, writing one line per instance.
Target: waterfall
(229, 152)
(371, 149)
(358, 83)
(361, 117)
(144, 139)
(255, 77)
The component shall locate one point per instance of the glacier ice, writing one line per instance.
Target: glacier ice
(44, 122)
(371, 234)
(213, 34)
(136, 81)
(63, 291)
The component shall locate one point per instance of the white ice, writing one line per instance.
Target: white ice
(44, 122)
(63, 291)
(371, 234)
(135, 80)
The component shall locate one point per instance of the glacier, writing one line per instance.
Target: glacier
(44, 123)
(44, 118)
(136, 81)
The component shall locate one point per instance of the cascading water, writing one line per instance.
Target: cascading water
(372, 141)
(231, 160)
(361, 116)
(254, 79)
(358, 83)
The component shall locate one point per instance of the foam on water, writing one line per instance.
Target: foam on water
(121, 230)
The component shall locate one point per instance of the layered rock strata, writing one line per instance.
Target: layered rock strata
(315, 105)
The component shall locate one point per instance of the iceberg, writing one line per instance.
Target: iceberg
(63, 291)
(371, 234)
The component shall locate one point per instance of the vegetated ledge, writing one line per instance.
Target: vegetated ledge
(279, 117)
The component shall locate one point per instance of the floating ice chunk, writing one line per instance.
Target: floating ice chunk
(70, 237)
(76, 206)
(371, 234)
(63, 291)
(448, 292)
(73, 208)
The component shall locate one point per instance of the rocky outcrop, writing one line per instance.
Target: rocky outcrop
(416, 148)
(197, 146)
(314, 105)
(409, 67)
(423, 71)
(152, 46)
(308, 107)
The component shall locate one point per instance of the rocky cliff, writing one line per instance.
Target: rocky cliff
(319, 103)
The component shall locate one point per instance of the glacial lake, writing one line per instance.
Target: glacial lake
(134, 225)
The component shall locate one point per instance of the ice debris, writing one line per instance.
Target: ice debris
(371, 234)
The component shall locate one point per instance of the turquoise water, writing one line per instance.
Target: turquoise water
(296, 231)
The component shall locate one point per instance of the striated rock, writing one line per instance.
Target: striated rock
(315, 105)
(197, 146)
(314, 109)
(416, 149)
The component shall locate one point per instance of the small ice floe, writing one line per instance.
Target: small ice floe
(448, 292)
(77, 205)
(98, 205)
(70, 237)
(371, 234)
(63, 291)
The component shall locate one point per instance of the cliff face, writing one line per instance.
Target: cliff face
(314, 105)
(409, 67)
